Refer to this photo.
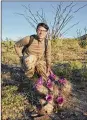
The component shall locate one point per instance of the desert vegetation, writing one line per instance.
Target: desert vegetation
(69, 59)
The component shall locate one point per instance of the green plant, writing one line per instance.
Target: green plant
(63, 69)
(13, 104)
(76, 65)
(83, 43)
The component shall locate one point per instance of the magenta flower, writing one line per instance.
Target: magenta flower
(49, 84)
(60, 100)
(39, 81)
(48, 97)
(52, 76)
(62, 81)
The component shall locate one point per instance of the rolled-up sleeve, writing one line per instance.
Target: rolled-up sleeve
(19, 45)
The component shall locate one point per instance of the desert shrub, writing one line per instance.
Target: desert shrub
(79, 71)
(73, 71)
(79, 75)
(83, 43)
(13, 104)
(63, 70)
(76, 65)
(84, 72)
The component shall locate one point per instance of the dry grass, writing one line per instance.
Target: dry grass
(68, 60)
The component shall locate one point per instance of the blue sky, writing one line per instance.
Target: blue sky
(15, 26)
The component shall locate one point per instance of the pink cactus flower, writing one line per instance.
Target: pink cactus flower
(48, 97)
(52, 76)
(39, 81)
(62, 81)
(49, 84)
(60, 100)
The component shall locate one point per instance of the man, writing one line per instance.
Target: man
(39, 59)
(38, 48)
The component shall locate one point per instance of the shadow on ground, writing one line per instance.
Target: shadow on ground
(77, 110)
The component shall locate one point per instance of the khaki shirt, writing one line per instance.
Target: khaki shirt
(36, 48)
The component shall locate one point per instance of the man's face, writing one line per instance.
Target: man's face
(41, 32)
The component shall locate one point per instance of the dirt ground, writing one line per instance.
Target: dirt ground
(78, 103)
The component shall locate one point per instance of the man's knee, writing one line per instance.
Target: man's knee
(29, 74)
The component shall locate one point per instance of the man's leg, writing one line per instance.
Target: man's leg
(41, 69)
(29, 73)
(28, 66)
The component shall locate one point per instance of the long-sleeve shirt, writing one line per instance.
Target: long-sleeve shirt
(36, 48)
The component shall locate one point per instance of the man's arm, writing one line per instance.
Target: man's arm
(48, 56)
(18, 45)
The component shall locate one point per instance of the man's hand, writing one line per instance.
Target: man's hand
(21, 59)
(48, 70)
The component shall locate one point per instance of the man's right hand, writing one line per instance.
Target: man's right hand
(21, 59)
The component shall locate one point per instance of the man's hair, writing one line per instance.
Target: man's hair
(43, 25)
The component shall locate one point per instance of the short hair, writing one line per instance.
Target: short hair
(43, 25)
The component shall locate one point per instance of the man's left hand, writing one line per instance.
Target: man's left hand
(48, 70)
